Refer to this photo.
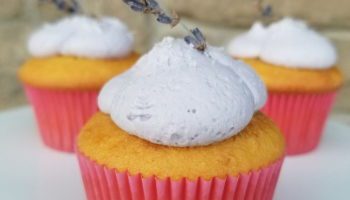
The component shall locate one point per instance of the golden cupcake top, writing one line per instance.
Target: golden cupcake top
(68, 72)
(282, 79)
(258, 145)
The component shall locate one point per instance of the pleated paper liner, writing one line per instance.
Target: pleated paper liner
(301, 118)
(102, 183)
(61, 113)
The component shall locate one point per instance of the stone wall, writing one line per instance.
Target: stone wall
(220, 20)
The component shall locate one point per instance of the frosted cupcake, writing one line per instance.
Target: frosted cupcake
(181, 124)
(298, 65)
(72, 59)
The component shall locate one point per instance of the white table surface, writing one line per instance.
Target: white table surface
(30, 171)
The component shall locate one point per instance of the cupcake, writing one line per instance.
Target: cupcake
(181, 124)
(71, 60)
(298, 66)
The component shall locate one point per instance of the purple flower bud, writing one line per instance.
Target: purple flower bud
(129, 1)
(198, 35)
(191, 40)
(152, 4)
(60, 4)
(71, 7)
(136, 5)
(197, 44)
(267, 11)
(137, 8)
(163, 18)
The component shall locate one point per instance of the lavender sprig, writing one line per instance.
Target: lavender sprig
(69, 6)
(152, 7)
(265, 10)
(196, 39)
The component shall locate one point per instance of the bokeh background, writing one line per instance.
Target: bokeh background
(220, 20)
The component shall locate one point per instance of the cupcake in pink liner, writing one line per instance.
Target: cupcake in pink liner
(298, 66)
(181, 124)
(72, 59)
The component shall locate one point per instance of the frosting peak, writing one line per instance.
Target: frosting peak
(248, 45)
(175, 95)
(83, 37)
(288, 42)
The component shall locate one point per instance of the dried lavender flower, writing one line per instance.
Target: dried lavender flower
(196, 39)
(265, 10)
(152, 7)
(198, 35)
(164, 19)
(190, 40)
(135, 5)
(69, 6)
(152, 3)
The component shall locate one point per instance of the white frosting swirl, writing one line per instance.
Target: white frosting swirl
(289, 42)
(177, 96)
(82, 37)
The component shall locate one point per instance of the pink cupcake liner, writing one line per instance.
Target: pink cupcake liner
(108, 184)
(301, 117)
(61, 113)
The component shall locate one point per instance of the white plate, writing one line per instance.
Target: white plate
(30, 171)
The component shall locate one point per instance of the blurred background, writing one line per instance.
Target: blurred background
(220, 20)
